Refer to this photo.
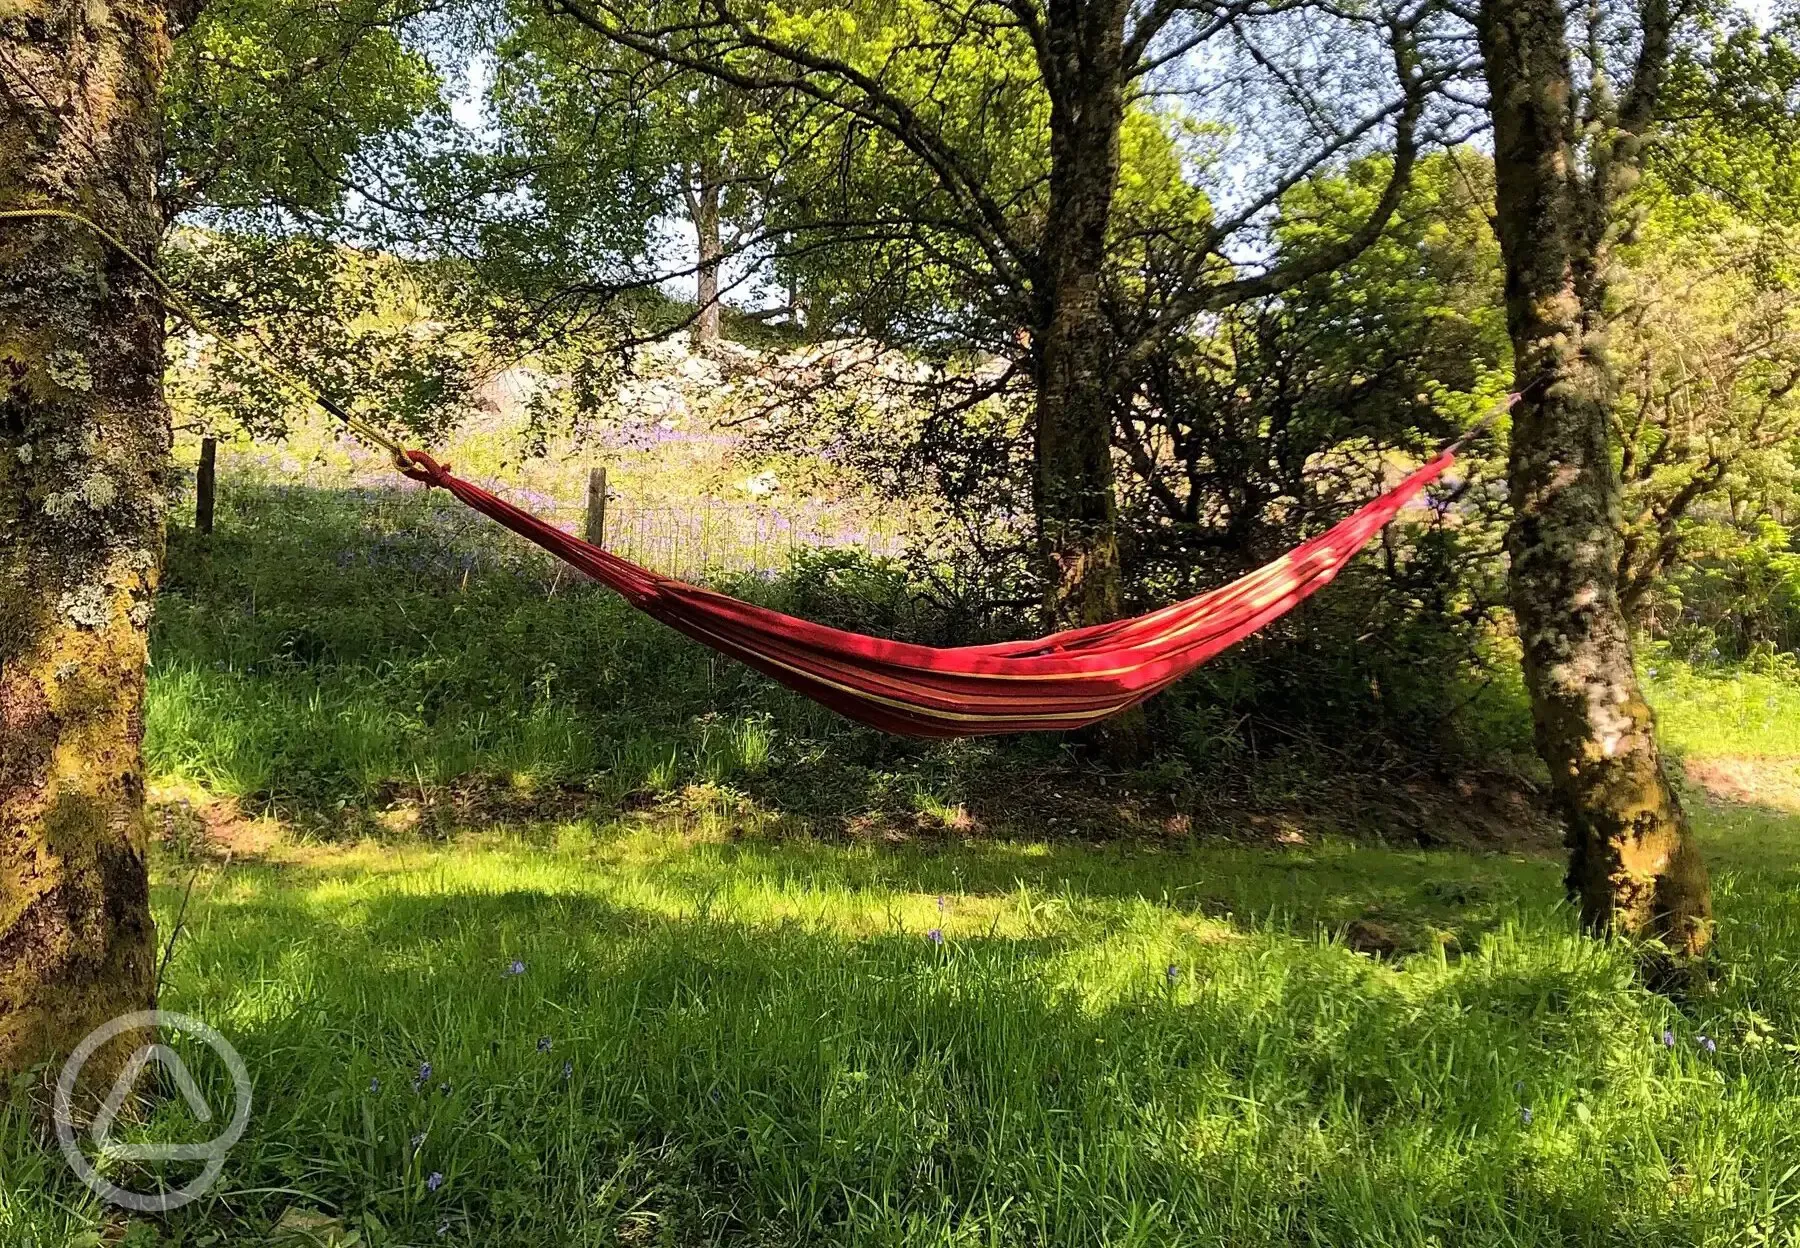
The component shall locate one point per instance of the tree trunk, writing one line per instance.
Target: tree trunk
(1077, 511)
(705, 210)
(84, 443)
(1074, 498)
(1632, 860)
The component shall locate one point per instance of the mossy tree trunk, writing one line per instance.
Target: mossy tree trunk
(84, 445)
(1633, 865)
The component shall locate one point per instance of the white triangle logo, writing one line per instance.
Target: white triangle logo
(121, 1090)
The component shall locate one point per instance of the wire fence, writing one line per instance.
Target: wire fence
(707, 536)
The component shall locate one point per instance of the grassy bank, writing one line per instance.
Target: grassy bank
(327, 653)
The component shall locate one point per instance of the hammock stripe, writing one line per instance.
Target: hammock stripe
(1066, 680)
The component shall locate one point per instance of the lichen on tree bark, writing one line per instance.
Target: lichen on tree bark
(1564, 155)
(84, 442)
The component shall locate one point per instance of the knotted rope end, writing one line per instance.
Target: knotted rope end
(421, 467)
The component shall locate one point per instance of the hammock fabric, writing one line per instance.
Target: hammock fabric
(1066, 680)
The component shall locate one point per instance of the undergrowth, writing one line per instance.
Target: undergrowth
(322, 652)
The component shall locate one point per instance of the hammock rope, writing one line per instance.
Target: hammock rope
(1066, 680)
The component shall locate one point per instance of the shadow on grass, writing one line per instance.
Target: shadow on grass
(702, 1077)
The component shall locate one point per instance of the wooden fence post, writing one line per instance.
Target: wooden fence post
(596, 507)
(204, 481)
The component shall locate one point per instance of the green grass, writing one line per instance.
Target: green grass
(321, 649)
(1714, 710)
(752, 1036)
(763, 1043)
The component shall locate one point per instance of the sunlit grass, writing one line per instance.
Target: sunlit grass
(764, 1041)
(1730, 711)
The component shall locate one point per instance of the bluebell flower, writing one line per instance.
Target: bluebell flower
(943, 904)
(375, 1085)
(434, 1181)
(1668, 1038)
(1525, 1115)
(1706, 1042)
(418, 1141)
(516, 967)
(1172, 974)
(935, 935)
(568, 1070)
(543, 1044)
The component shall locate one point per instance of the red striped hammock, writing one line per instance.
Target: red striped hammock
(1066, 680)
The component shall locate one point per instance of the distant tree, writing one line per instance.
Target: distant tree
(1706, 325)
(1707, 339)
(592, 120)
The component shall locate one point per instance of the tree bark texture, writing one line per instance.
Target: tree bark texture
(84, 443)
(1633, 864)
(1077, 510)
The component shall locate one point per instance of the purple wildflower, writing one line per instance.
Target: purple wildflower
(1525, 1115)
(1707, 1043)
(943, 904)
(516, 967)
(434, 1181)
(1172, 974)
(568, 1070)
(375, 1085)
(935, 935)
(1668, 1038)
(543, 1044)
(418, 1141)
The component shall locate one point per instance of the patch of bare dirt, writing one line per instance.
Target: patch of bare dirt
(197, 825)
(473, 802)
(1476, 812)
(1773, 783)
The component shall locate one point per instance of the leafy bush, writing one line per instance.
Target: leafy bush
(1736, 595)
